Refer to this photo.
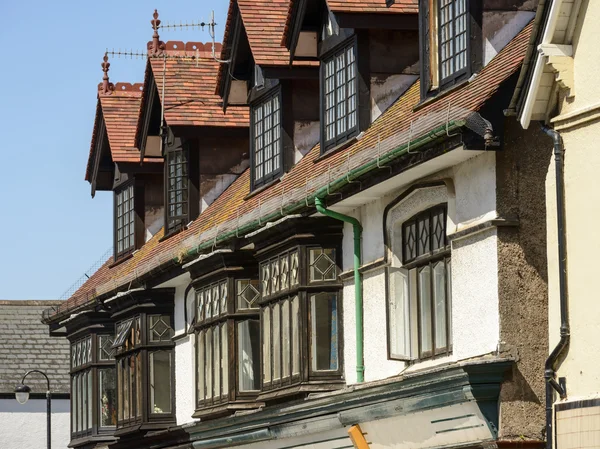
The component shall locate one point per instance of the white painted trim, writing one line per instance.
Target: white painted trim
(538, 71)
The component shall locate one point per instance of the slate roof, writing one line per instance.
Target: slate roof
(120, 109)
(395, 120)
(25, 344)
(189, 96)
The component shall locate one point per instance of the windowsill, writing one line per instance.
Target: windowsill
(337, 149)
(226, 408)
(301, 388)
(172, 233)
(92, 439)
(262, 188)
(121, 260)
(441, 94)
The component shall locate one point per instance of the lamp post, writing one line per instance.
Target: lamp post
(22, 395)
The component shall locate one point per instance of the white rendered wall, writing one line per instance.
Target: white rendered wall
(23, 426)
(471, 200)
(184, 359)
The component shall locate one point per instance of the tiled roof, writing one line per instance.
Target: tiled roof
(25, 344)
(397, 120)
(120, 109)
(374, 6)
(264, 21)
(189, 95)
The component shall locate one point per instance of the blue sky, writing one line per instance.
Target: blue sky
(50, 227)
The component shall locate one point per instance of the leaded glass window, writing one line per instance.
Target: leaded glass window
(211, 301)
(267, 157)
(93, 405)
(124, 221)
(453, 38)
(322, 264)
(144, 359)
(177, 189)
(212, 352)
(340, 96)
(279, 274)
(247, 294)
(420, 292)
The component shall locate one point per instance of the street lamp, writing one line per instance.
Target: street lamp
(22, 395)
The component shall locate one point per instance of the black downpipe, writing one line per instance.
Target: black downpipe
(565, 332)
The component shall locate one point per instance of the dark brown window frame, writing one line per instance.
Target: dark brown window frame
(87, 369)
(140, 347)
(176, 222)
(474, 47)
(452, 23)
(226, 318)
(339, 137)
(267, 96)
(303, 290)
(414, 260)
(128, 187)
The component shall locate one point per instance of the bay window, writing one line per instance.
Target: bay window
(93, 386)
(420, 290)
(227, 335)
(299, 313)
(144, 362)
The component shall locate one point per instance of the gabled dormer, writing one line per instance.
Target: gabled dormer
(358, 78)
(182, 121)
(114, 165)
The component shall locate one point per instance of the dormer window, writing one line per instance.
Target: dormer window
(452, 38)
(267, 154)
(124, 221)
(177, 189)
(450, 43)
(340, 86)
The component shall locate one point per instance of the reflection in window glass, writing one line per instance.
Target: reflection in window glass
(276, 343)
(324, 321)
(108, 397)
(249, 355)
(425, 308)
(295, 335)
(266, 345)
(160, 382)
(399, 314)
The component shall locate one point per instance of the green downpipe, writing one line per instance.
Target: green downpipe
(358, 287)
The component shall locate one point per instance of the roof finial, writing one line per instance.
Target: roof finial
(156, 47)
(106, 87)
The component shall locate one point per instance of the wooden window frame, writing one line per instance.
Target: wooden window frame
(340, 137)
(180, 220)
(260, 102)
(430, 32)
(418, 259)
(89, 368)
(226, 318)
(303, 289)
(137, 206)
(140, 347)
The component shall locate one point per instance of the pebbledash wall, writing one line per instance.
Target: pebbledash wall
(23, 426)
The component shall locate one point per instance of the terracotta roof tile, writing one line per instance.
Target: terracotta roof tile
(120, 109)
(374, 6)
(189, 93)
(394, 121)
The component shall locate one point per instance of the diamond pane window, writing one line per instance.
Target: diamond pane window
(160, 328)
(124, 221)
(424, 234)
(177, 189)
(267, 162)
(453, 38)
(247, 294)
(340, 102)
(211, 301)
(322, 264)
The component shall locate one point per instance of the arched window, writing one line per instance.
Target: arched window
(419, 293)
